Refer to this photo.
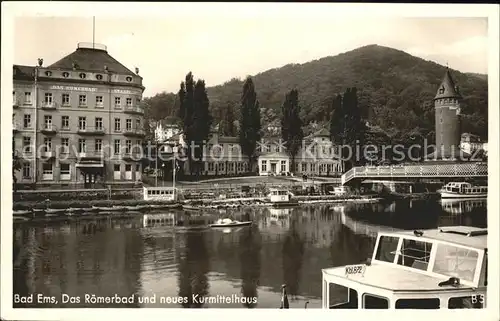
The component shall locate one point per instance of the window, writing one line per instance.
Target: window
(417, 304)
(116, 171)
(65, 99)
(27, 144)
(117, 147)
(220, 167)
(48, 122)
(98, 123)
(117, 101)
(98, 77)
(82, 100)
(128, 146)
(65, 145)
(82, 123)
(26, 170)
(83, 76)
(415, 254)
(27, 121)
(82, 146)
(48, 73)
(129, 102)
(137, 124)
(116, 167)
(230, 166)
(65, 74)
(117, 124)
(64, 122)
(129, 79)
(386, 249)
(47, 171)
(65, 172)
(211, 166)
(48, 99)
(47, 144)
(27, 98)
(263, 166)
(466, 302)
(128, 167)
(128, 124)
(340, 297)
(98, 101)
(137, 167)
(313, 167)
(304, 167)
(98, 145)
(375, 302)
(283, 166)
(455, 262)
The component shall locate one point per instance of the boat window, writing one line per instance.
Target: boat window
(456, 262)
(375, 302)
(387, 247)
(417, 304)
(466, 302)
(341, 297)
(415, 254)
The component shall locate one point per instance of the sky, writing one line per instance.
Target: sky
(217, 49)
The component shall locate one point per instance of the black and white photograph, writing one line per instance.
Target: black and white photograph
(307, 156)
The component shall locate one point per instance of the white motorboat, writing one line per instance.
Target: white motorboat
(227, 222)
(463, 190)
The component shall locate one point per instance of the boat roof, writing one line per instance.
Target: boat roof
(463, 235)
(394, 278)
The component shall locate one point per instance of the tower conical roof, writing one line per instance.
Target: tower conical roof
(447, 89)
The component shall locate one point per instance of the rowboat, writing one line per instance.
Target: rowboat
(21, 212)
(55, 210)
(443, 268)
(227, 222)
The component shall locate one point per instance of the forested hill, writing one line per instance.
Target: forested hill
(395, 88)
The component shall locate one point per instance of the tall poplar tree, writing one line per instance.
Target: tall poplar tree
(202, 121)
(291, 125)
(250, 121)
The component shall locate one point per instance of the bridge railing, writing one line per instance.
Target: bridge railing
(436, 170)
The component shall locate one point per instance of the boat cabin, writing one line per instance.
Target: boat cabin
(444, 268)
(465, 188)
(277, 195)
(159, 193)
(341, 190)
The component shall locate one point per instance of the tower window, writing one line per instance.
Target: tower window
(83, 76)
(129, 79)
(65, 74)
(99, 77)
(441, 90)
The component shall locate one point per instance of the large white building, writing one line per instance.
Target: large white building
(223, 156)
(471, 143)
(165, 131)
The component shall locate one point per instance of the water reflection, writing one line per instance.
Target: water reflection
(193, 268)
(250, 247)
(145, 255)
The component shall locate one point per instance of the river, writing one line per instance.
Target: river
(135, 256)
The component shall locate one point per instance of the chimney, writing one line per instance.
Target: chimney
(136, 70)
(40, 62)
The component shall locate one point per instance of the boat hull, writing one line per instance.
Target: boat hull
(231, 224)
(445, 194)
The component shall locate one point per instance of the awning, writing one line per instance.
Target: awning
(89, 165)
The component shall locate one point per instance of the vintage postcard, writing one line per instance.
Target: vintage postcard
(314, 157)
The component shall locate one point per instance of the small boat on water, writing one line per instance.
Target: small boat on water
(191, 208)
(443, 268)
(463, 190)
(55, 210)
(281, 198)
(21, 213)
(38, 211)
(227, 222)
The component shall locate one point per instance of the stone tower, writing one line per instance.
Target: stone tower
(447, 111)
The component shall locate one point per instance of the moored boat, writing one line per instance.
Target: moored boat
(443, 268)
(463, 190)
(21, 212)
(227, 222)
(281, 198)
(55, 210)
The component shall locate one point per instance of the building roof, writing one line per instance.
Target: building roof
(323, 132)
(90, 59)
(23, 72)
(274, 155)
(447, 89)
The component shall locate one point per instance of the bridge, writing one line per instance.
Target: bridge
(422, 171)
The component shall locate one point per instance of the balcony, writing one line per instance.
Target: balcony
(132, 156)
(47, 154)
(133, 132)
(136, 110)
(15, 104)
(90, 154)
(93, 131)
(46, 105)
(49, 129)
(15, 127)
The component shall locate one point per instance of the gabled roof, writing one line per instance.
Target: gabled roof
(447, 89)
(274, 155)
(323, 132)
(90, 59)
